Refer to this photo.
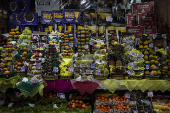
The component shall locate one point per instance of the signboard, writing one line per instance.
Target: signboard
(46, 17)
(131, 20)
(150, 30)
(48, 5)
(144, 8)
(57, 16)
(138, 31)
(71, 16)
(146, 20)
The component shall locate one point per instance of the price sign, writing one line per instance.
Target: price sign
(97, 70)
(18, 41)
(15, 52)
(55, 69)
(154, 36)
(22, 69)
(108, 18)
(29, 48)
(38, 65)
(127, 95)
(70, 44)
(147, 66)
(91, 42)
(164, 36)
(129, 72)
(151, 45)
(71, 69)
(156, 49)
(92, 66)
(62, 95)
(86, 46)
(150, 94)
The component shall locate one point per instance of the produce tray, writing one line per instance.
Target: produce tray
(66, 77)
(50, 77)
(136, 77)
(166, 78)
(119, 77)
(101, 77)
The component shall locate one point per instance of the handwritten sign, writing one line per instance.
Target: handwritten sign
(72, 16)
(71, 69)
(55, 69)
(57, 16)
(127, 95)
(46, 17)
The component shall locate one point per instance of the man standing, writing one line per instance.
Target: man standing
(124, 5)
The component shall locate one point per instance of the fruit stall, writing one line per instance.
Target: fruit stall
(100, 57)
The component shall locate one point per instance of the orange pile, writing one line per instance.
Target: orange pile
(120, 107)
(103, 108)
(102, 98)
(118, 98)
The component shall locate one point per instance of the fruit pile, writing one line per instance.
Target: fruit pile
(102, 98)
(161, 107)
(67, 40)
(22, 57)
(13, 35)
(118, 98)
(120, 107)
(7, 58)
(103, 108)
(51, 61)
(50, 95)
(77, 104)
(79, 96)
(25, 41)
(27, 31)
(68, 52)
(83, 40)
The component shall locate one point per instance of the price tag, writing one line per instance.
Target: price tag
(78, 79)
(62, 96)
(97, 70)
(31, 105)
(150, 94)
(55, 106)
(15, 52)
(70, 96)
(98, 43)
(156, 49)
(167, 48)
(129, 72)
(91, 42)
(92, 66)
(71, 69)
(86, 46)
(70, 44)
(127, 95)
(38, 65)
(137, 41)
(164, 36)
(154, 36)
(151, 45)
(22, 69)
(88, 71)
(29, 48)
(18, 41)
(25, 79)
(147, 66)
(108, 18)
(55, 69)
(10, 104)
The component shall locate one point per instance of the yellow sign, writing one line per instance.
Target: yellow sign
(58, 15)
(69, 15)
(47, 16)
(122, 29)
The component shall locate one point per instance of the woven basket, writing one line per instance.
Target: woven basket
(119, 77)
(66, 77)
(50, 77)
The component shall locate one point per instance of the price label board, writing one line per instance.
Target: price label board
(71, 69)
(55, 69)
(127, 95)
(70, 44)
(92, 66)
(22, 69)
(150, 94)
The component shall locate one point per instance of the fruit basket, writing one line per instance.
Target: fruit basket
(50, 77)
(118, 77)
(66, 77)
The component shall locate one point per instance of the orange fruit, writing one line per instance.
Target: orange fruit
(19, 63)
(25, 49)
(24, 53)
(18, 67)
(15, 66)
(23, 58)
(7, 72)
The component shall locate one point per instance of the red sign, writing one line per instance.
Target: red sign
(131, 20)
(146, 20)
(138, 31)
(144, 8)
(150, 30)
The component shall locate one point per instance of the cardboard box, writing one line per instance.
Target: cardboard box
(138, 31)
(146, 20)
(13, 7)
(131, 20)
(150, 30)
(29, 18)
(144, 8)
(25, 5)
(16, 19)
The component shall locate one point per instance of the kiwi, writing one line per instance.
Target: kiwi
(106, 71)
(101, 66)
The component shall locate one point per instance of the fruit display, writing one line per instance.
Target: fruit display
(36, 64)
(117, 59)
(161, 107)
(50, 95)
(82, 65)
(51, 61)
(67, 40)
(83, 40)
(151, 59)
(13, 35)
(22, 60)
(78, 96)
(73, 104)
(68, 52)
(27, 31)
(7, 54)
